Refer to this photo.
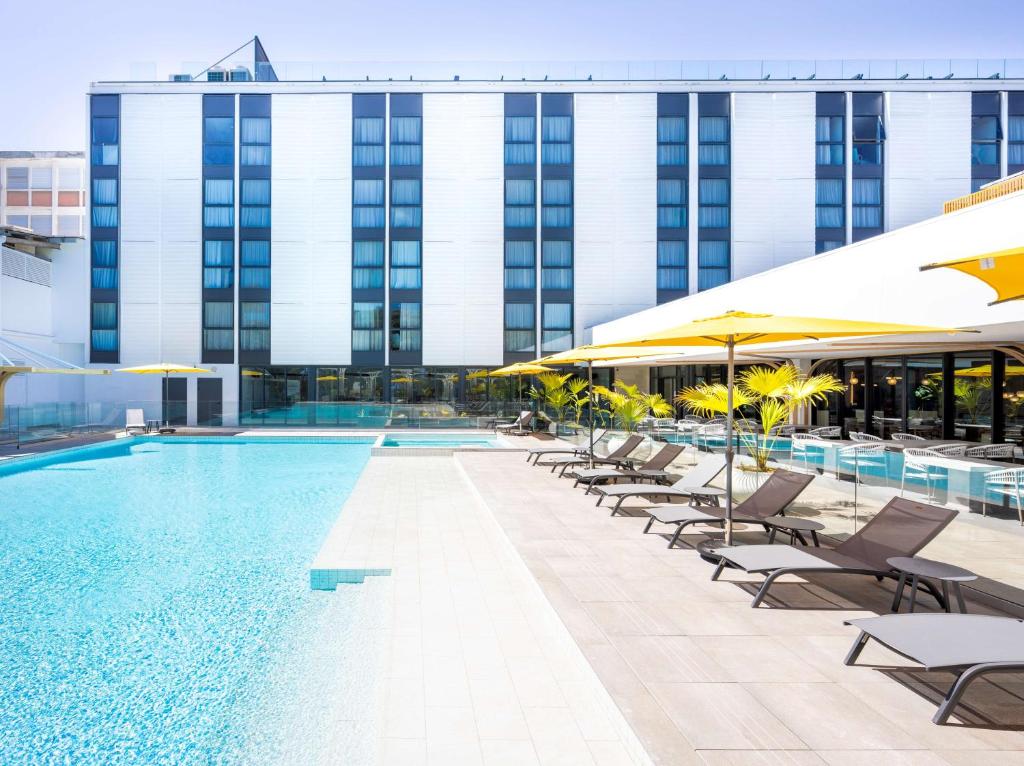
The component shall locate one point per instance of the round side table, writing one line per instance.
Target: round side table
(915, 568)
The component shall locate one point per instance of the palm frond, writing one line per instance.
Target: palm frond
(767, 381)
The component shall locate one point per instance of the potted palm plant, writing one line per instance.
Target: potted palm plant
(773, 393)
(628, 405)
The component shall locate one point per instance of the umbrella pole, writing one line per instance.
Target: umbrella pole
(730, 374)
(590, 407)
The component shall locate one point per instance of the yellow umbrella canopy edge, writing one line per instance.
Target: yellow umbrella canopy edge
(520, 368)
(162, 368)
(1002, 270)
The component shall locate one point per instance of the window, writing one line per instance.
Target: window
(556, 140)
(254, 327)
(713, 196)
(556, 265)
(556, 200)
(519, 327)
(520, 140)
(218, 203)
(219, 140)
(69, 225)
(367, 265)
(829, 203)
(829, 139)
(713, 136)
(41, 224)
(17, 178)
(1015, 147)
(219, 326)
(520, 265)
(17, 220)
(405, 203)
(671, 203)
(104, 264)
(520, 203)
(104, 202)
(868, 135)
(255, 141)
(104, 326)
(406, 141)
(985, 137)
(368, 204)
(368, 326)
(104, 140)
(557, 327)
(42, 178)
(712, 264)
(824, 245)
(406, 327)
(255, 264)
(255, 203)
(368, 142)
(867, 203)
(673, 273)
(406, 271)
(672, 141)
(69, 179)
(218, 264)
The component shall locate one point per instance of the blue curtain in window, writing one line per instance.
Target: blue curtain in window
(368, 130)
(368, 192)
(219, 340)
(867, 191)
(828, 191)
(368, 217)
(218, 253)
(557, 128)
(557, 217)
(257, 277)
(104, 340)
(104, 253)
(104, 191)
(671, 253)
(556, 154)
(104, 217)
(255, 252)
(255, 315)
(104, 316)
(218, 192)
(409, 316)
(104, 278)
(671, 217)
(221, 130)
(673, 279)
(406, 217)
(519, 316)
(367, 316)
(1015, 128)
(254, 155)
(557, 316)
(218, 217)
(218, 314)
(556, 279)
(406, 154)
(256, 217)
(556, 254)
(519, 254)
(520, 154)
(255, 130)
(405, 253)
(557, 192)
(519, 192)
(520, 129)
(255, 192)
(828, 216)
(713, 191)
(368, 253)
(217, 279)
(367, 340)
(520, 279)
(672, 154)
(104, 154)
(828, 129)
(367, 278)
(867, 217)
(713, 154)
(713, 129)
(671, 191)
(672, 129)
(520, 217)
(406, 278)
(405, 191)
(104, 130)
(367, 156)
(713, 254)
(406, 130)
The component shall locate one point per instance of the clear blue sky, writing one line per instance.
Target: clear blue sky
(52, 56)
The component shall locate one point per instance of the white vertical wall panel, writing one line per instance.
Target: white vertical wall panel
(311, 229)
(927, 154)
(463, 218)
(772, 180)
(615, 267)
(161, 227)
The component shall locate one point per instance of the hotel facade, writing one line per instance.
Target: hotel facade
(317, 241)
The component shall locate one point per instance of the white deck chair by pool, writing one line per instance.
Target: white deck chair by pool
(134, 420)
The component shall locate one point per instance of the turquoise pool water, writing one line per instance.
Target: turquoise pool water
(155, 605)
(440, 440)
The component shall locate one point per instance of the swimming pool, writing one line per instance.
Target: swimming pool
(440, 440)
(155, 605)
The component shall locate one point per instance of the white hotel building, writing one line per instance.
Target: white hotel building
(331, 240)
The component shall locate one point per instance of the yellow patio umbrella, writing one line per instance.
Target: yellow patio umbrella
(985, 371)
(741, 328)
(519, 369)
(591, 354)
(165, 369)
(1002, 270)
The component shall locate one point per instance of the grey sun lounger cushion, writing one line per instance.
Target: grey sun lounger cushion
(657, 463)
(697, 477)
(902, 528)
(970, 644)
(770, 499)
(535, 453)
(615, 457)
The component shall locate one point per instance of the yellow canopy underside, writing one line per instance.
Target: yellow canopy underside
(604, 354)
(520, 368)
(162, 369)
(1002, 270)
(743, 328)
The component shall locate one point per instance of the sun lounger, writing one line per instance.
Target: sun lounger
(519, 426)
(135, 421)
(969, 645)
(770, 499)
(535, 453)
(707, 468)
(902, 528)
(653, 469)
(618, 457)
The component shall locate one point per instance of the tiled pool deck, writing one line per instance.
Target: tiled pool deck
(481, 666)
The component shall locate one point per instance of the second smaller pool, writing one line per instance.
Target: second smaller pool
(444, 441)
